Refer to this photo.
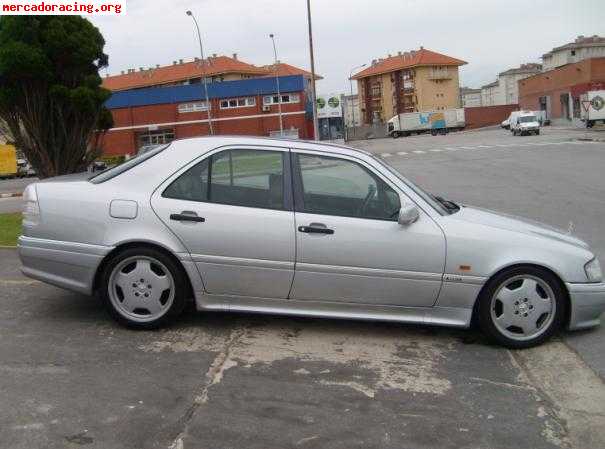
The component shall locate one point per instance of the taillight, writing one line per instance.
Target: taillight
(31, 209)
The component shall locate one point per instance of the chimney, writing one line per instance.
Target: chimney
(141, 69)
(398, 53)
(374, 62)
(157, 66)
(214, 55)
(174, 63)
(389, 55)
(196, 59)
(121, 72)
(421, 47)
(180, 61)
(234, 55)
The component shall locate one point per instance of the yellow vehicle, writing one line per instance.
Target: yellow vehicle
(8, 161)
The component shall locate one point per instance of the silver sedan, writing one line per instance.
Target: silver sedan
(301, 228)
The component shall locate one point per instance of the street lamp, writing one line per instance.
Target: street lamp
(281, 122)
(204, 81)
(351, 83)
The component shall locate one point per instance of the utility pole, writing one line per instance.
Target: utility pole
(313, 92)
(281, 121)
(204, 81)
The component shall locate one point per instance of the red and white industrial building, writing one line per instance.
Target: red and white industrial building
(160, 104)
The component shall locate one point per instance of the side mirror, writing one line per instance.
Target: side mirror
(408, 214)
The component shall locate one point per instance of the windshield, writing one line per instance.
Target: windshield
(429, 198)
(527, 119)
(112, 172)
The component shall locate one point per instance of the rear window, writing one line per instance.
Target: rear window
(112, 172)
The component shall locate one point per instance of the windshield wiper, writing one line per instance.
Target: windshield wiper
(449, 205)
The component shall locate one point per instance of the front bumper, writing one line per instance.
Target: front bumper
(587, 304)
(68, 265)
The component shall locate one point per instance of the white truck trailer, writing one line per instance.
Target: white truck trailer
(593, 107)
(435, 122)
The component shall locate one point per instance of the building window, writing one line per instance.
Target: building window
(376, 90)
(573, 52)
(192, 107)
(238, 103)
(285, 98)
(157, 137)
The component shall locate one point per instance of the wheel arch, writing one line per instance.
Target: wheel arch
(141, 244)
(566, 318)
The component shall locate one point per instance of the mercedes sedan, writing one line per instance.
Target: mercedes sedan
(300, 228)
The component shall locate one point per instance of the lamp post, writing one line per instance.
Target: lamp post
(204, 81)
(351, 83)
(281, 121)
(312, 57)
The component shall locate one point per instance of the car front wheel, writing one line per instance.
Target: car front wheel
(522, 307)
(143, 288)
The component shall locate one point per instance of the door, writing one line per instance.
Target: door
(233, 212)
(350, 247)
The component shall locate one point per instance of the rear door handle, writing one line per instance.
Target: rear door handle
(315, 228)
(187, 216)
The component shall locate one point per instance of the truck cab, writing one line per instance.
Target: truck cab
(524, 123)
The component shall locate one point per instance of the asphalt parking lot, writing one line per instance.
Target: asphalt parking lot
(70, 377)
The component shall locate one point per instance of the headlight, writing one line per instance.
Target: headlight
(593, 270)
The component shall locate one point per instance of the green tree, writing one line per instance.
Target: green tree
(51, 99)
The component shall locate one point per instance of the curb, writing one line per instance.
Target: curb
(10, 195)
(590, 139)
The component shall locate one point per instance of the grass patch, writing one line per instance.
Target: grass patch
(10, 229)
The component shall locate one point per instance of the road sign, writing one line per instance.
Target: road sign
(586, 105)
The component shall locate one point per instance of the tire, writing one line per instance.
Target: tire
(152, 290)
(531, 299)
(537, 132)
(395, 134)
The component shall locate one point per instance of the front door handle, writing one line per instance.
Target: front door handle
(187, 216)
(315, 228)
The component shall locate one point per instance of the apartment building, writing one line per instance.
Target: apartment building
(470, 98)
(418, 80)
(578, 50)
(505, 90)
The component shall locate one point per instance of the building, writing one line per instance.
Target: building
(215, 68)
(505, 89)
(508, 81)
(576, 51)
(419, 80)
(156, 105)
(470, 98)
(352, 113)
(558, 91)
(160, 114)
(490, 94)
(330, 117)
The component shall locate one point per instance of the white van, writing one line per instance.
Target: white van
(524, 122)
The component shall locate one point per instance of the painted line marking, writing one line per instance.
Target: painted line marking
(419, 152)
(451, 149)
(484, 146)
(436, 150)
(386, 154)
(402, 153)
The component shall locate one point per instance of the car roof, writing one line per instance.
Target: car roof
(218, 141)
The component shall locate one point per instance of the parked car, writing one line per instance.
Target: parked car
(25, 169)
(525, 123)
(301, 228)
(505, 124)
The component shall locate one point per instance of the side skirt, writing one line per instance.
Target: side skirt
(442, 316)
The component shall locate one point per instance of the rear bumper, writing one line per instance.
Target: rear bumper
(67, 265)
(587, 305)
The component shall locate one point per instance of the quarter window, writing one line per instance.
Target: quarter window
(332, 186)
(238, 102)
(251, 178)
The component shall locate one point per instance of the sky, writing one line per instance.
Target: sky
(491, 35)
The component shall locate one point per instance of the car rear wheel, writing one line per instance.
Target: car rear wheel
(522, 307)
(143, 288)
